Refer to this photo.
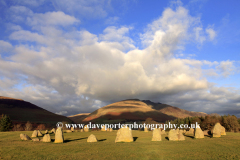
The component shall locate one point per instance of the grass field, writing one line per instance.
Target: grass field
(76, 147)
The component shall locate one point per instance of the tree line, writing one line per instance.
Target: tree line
(7, 125)
(230, 122)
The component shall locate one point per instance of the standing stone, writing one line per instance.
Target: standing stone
(103, 128)
(184, 131)
(110, 130)
(180, 131)
(59, 136)
(145, 129)
(36, 140)
(198, 133)
(191, 131)
(25, 137)
(216, 131)
(86, 129)
(157, 136)
(124, 135)
(39, 133)
(46, 132)
(177, 130)
(53, 130)
(72, 129)
(172, 135)
(68, 131)
(35, 133)
(46, 138)
(163, 132)
(181, 136)
(92, 138)
(206, 132)
(223, 131)
(81, 130)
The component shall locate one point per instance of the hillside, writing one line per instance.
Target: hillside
(22, 111)
(136, 110)
(78, 118)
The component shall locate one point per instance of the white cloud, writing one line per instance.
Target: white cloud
(211, 33)
(5, 46)
(34, 3)
(112, 20)
(226, 68)
(112, 34)
(27, 36)
(65, 67)
(62, 112)
(19, 13)
(199, 35)
(51, 18)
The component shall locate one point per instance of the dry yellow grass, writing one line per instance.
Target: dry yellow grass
(76, 147)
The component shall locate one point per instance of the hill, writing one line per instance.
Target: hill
(137, 110)
(22, 111)
(78, 117)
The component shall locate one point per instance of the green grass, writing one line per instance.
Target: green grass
(76, 147)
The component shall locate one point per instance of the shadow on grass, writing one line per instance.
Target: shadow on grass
(100, 140)
(135, 138)
(189, 136)
(208, 136)
(69, 140)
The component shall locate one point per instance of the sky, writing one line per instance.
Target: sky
(75, 56)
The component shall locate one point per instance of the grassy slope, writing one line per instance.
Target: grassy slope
(75, 147)
(22, 111)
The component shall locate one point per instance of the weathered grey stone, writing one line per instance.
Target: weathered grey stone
(39, 134)
(103, 128)
(46, 132)
(207, 132)
(177, 130)
(36, 140)
(145, 129)
(53, 130)
(68, 131)
(223, 133)
(157, 136)
(72, 129)
(25, 137)
(181, 137)
(198, 133)
(92, 138)
(35, 133)
(59, 136)
(46, 138)
(124, 135)
(172, 135)
(163, 132)
(86, 129)
(216, 131)
(191, 131)
(110, 130)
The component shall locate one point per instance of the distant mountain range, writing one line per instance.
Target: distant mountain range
(134, 110)
(21, 111)
(122, 111)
